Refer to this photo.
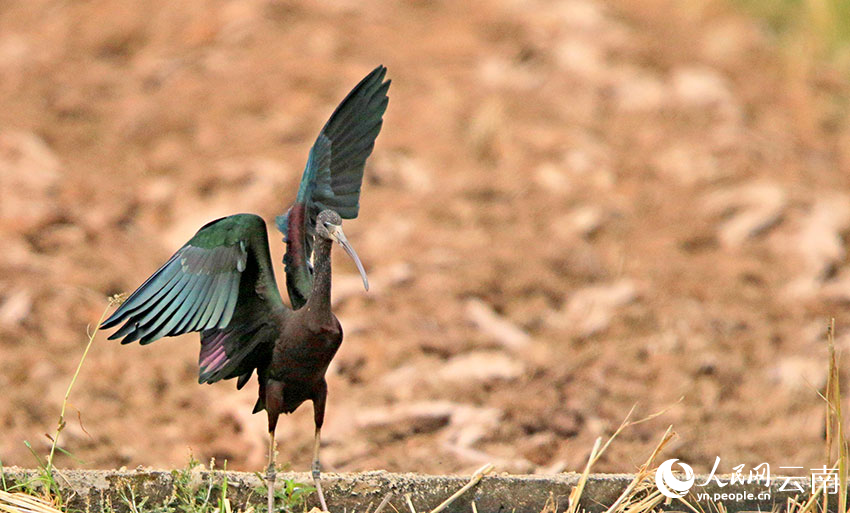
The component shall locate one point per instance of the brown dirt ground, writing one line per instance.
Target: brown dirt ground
(648, 202)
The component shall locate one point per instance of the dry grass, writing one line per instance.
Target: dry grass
(474, 480)
(25, 503)
(45, 490)
(642, 496)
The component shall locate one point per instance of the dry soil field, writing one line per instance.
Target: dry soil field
(574, 207)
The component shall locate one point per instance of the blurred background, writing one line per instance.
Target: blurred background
(574, 207)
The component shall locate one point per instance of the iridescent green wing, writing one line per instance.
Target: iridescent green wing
(332, 177)
(221, 284)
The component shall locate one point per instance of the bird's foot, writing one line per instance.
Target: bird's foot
(316, 471)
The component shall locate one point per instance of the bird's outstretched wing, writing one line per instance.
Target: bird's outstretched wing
(332, 177)
(220, 283)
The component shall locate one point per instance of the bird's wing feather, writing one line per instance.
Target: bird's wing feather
(220, 283)
(333, 176)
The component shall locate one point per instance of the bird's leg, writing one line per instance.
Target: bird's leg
(274, 405)
(319, 417)
(317, 469)
(271, 473)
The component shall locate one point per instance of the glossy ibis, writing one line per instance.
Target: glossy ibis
(221, 283)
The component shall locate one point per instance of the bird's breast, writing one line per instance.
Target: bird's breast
(304, 351)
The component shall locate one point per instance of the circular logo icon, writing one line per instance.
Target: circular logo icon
(671, 486)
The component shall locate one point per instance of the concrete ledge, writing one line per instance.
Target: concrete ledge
(90, 489)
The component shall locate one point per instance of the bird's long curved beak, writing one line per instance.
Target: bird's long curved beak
(340, 238)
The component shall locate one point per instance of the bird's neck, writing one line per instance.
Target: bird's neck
(320, 296)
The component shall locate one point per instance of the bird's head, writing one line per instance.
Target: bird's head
(329, 226)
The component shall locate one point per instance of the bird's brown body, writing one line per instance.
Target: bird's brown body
(308, 340)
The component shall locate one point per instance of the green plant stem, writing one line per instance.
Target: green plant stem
(61, 425)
